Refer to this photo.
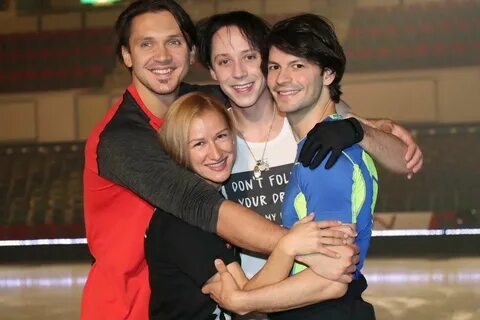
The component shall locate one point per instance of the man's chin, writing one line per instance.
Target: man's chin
(245, 102)
(284, 107)
(166, 89)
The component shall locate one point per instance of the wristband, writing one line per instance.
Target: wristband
(357, 127)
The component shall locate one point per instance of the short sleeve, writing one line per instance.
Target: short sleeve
(334, 194)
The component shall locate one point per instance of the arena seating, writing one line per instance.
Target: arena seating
(407, 36)
(41, 185)
(449, 180)
(41, 190)
(429, 35)
(55, 60)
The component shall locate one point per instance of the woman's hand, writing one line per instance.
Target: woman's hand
(308, 236)
(339, 269)
(224, 290)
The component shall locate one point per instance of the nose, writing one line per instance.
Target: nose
(163, 54)
(283, 76)
(215, 152)
(239, 70)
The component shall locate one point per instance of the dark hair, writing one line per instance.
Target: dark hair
(139, 7)
(313, 38)
(253, 28)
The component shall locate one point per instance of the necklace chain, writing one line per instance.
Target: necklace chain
(260, 164)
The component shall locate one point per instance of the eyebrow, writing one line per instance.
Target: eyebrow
(296, 61)
(173, 36)
(300, 60)
(200, 139)
(249, 50)
(224, 129)
(177, 35)
(143, 39)
(226, 55)
(195, 140)
(220, 55)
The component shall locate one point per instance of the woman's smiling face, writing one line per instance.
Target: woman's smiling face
(211, 147)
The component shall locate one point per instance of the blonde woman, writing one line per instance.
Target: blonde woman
(198, 134)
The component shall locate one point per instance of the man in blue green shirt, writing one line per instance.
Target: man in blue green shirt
(305, 66)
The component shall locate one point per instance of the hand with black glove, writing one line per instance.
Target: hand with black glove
(334, 136)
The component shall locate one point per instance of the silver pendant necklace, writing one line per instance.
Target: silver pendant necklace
(261, 165)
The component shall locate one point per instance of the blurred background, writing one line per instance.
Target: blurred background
(415, 61)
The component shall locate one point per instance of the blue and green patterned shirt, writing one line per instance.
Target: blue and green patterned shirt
(346, 192)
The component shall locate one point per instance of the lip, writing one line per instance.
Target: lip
(218, 166)
(287, 93)
(163, 71)
(243, 88)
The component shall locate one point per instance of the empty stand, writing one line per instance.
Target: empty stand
(413, 36)
(449, 179)
(41, 185)
(55, 60)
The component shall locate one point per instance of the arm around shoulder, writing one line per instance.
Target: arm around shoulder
(135, 159)
(385, 147)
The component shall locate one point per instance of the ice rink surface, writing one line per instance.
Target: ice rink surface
(400, 289)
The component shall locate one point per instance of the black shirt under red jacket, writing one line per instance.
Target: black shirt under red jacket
(127, 174)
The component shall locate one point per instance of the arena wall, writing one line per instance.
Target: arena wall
(442, 95)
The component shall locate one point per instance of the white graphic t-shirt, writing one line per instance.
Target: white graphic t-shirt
(263, 195)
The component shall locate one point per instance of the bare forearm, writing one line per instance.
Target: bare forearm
(340, 269)
(300, 290)
(276, 269)
(299, 241)
(246, 229)
(385, 148)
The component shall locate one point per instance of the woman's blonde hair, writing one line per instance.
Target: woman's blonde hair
(178, 120)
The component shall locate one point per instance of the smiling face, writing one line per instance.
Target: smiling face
(158, 56)
(211, 147)
(237, 67)
(295, 83)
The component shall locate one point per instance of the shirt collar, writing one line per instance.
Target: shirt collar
(155, 121)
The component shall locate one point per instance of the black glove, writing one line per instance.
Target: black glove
(334, 136)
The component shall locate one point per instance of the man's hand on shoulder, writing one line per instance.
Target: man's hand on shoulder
(334, 136)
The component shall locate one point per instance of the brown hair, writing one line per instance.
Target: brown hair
(175, 130)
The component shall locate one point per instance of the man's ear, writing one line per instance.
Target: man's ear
(213, 74)
(192, 55)
(328, 76)
(127, 58)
